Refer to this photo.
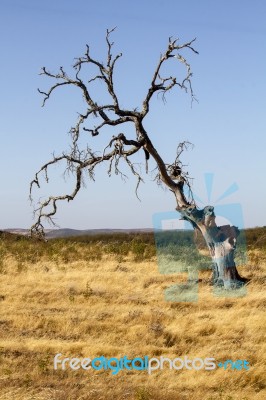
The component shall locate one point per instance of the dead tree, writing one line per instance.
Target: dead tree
(221, 241)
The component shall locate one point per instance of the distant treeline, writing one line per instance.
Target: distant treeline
(254, 237)
(181, 246)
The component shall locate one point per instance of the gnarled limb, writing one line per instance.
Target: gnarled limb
(119, 147)
(112, 115)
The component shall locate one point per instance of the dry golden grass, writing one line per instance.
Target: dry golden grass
(105, 307)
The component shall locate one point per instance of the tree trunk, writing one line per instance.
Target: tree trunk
(221, 242)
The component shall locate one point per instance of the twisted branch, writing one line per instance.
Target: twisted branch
(111, 115)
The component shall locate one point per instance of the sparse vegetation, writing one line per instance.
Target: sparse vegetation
(73, 296)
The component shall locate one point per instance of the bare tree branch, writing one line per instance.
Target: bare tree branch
(120, 148)
(159, 84)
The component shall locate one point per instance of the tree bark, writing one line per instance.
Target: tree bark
(221, 242)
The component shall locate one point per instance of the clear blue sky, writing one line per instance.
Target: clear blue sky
(227, 126)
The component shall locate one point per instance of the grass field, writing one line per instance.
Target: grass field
(104, 295)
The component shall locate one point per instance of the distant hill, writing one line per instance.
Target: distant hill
(66, 232)
(253, 236)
